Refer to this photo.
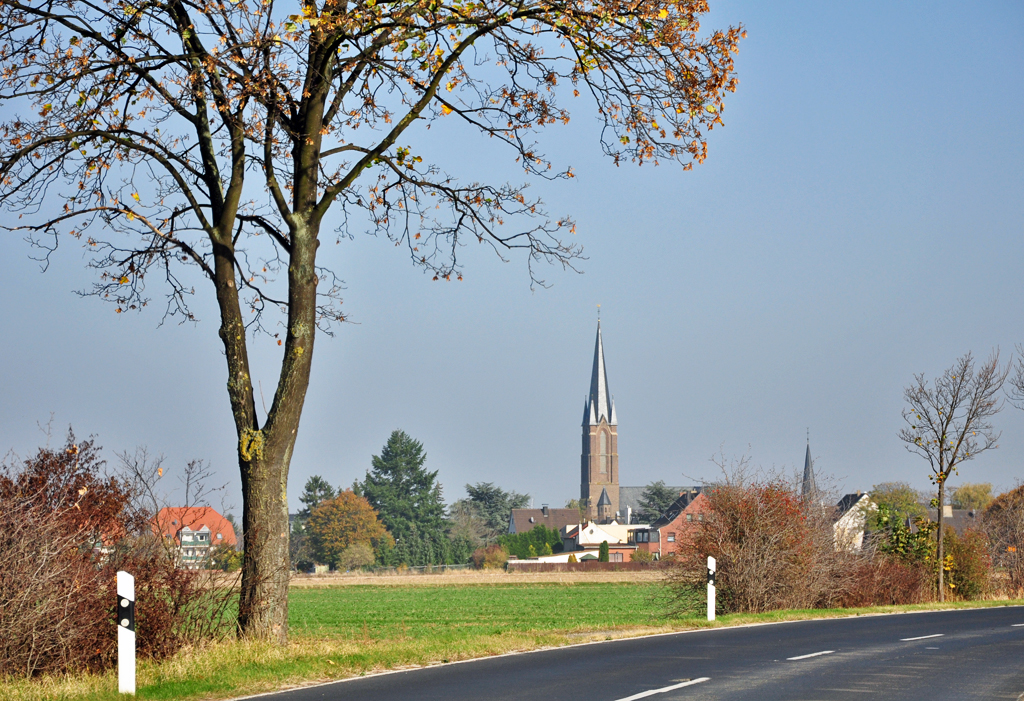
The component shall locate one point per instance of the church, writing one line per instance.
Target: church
(602, 500)
(600, 492)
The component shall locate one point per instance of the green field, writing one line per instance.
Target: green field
(345, 631)
(453, 614)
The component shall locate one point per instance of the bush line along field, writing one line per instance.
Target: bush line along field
(339, 632)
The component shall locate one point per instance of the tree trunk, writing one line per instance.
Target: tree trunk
(264, 455)
(940, 549)
(263, 603)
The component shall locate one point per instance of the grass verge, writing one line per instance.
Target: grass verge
(340, 632)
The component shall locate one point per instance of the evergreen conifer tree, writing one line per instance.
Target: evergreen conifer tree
(655, 500)
(316, 491)
(408, 499)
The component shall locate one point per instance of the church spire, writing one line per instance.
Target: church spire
(599, 403)
(808, 488)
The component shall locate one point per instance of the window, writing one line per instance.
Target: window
(603, 452)
(615, 557)
(700, 517)
(689, 517)
(671, 537)
(219, 536)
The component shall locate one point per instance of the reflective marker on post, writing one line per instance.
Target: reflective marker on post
(125, 633)
(711, 588)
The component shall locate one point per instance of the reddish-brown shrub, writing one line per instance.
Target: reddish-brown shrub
(884, 580)
(1003, 523)
(64, 532)
(773, 550)
(491, 557)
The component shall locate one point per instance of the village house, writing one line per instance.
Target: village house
(525, 520)
(850, 520)
(669, 532)
(197, 531)
(960, 520)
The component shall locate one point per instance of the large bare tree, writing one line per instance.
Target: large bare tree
(203, 143)
(949, 421)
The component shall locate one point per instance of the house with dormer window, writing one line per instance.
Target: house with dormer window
(196, 531)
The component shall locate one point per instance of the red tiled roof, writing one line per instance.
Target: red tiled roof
(172, 519)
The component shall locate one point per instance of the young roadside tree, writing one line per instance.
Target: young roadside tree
(204, 144)
(339, 523)
(949, 421)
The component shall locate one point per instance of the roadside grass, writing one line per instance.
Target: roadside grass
(339, 632)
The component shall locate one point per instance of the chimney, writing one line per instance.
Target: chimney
(544, 509)
(947, 511)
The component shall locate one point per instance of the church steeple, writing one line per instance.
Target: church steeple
(808, 488)
(600, 404)
(599, 462)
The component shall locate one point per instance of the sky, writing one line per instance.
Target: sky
(858, 220)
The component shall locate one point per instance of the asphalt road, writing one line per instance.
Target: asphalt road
(976, 654)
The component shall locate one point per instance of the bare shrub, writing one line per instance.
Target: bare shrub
(1003, 523)
(773, 548)
(65, 529)
(883, 580)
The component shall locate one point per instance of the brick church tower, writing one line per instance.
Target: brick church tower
(599, 464)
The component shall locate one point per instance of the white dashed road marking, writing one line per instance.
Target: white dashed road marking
(813, 654)
(922, 637)
(652, 692)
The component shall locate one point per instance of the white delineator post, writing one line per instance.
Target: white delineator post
(125, 633)
(711, 588)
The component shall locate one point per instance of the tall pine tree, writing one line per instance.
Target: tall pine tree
(407, 496)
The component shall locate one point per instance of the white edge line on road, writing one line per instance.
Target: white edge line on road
(1016, 625)
(616, 640)
(922, 637)
(652, 692)
(813, 654)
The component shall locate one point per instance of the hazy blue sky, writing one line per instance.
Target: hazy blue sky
(859, 219)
